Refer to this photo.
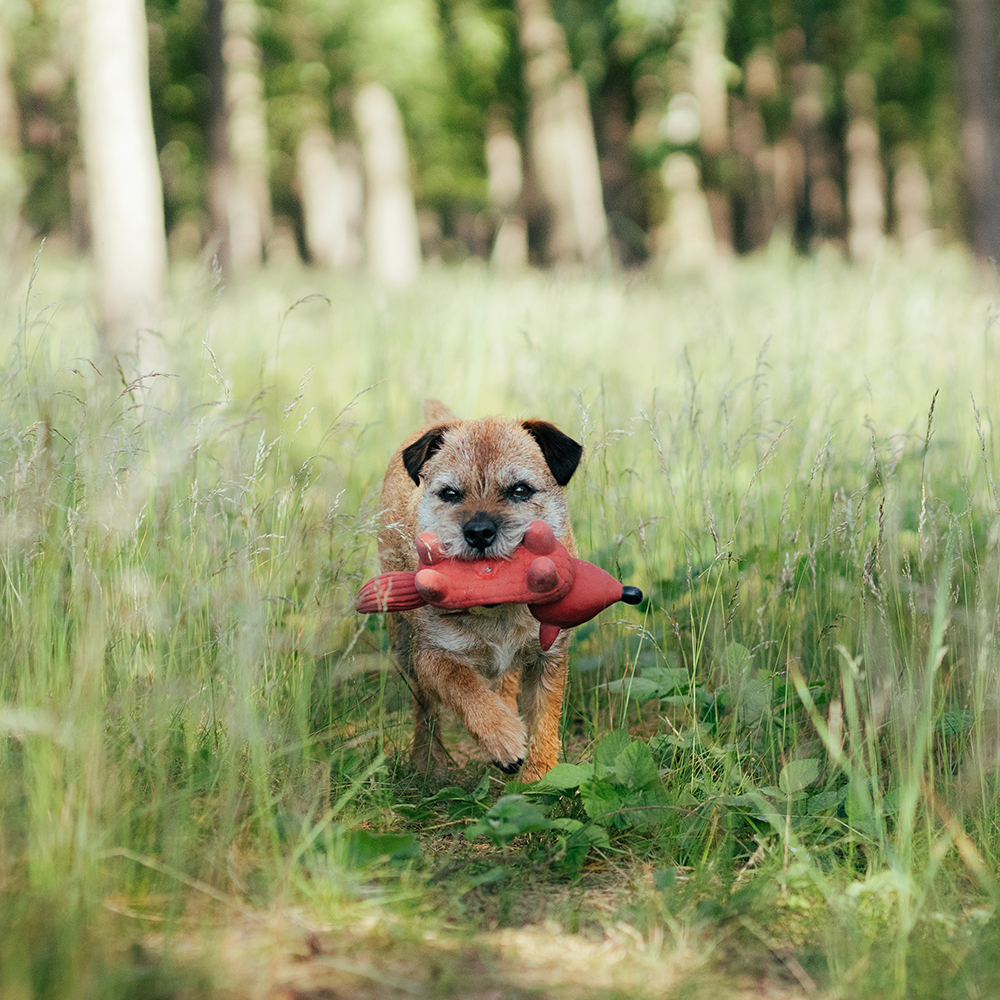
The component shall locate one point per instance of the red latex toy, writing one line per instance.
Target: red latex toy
(560, 590)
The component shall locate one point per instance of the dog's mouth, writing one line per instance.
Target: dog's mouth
(479, 610)
(503, 548)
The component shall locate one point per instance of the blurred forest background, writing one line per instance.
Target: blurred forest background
(383, 133)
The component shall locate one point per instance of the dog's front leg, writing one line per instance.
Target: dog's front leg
(543, 682)
(510, 682)
(483, 712)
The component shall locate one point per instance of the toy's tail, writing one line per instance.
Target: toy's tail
(389, 592)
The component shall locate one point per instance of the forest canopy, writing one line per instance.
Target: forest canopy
(834, 121)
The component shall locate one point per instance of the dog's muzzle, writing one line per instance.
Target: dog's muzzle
(480, 531)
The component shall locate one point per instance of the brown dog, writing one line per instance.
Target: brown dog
(478, 484)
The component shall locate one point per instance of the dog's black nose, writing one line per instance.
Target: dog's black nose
(480, 530)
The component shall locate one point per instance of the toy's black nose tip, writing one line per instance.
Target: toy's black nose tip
(631, 595)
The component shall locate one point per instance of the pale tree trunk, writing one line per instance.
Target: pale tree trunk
(709, 70)
(686, 241)
(392, 238)
(330, 198)
(911, 200)
(124, 192)
(505, 181)
(865, 176)
(708, 75)
(561, 141)
(240, 193)
(975, 31)
(865, 190)
(11, 181)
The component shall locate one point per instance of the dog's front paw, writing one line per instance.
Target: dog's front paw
(501, 735)
(512, 768)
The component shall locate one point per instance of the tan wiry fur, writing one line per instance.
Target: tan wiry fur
(479, 663)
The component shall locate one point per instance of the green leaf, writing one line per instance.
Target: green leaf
(736, 659)
(364, 848)
(636, 688)
(566, 776)
(664, 878)
(600, 798)
(644, 808)
(955, 723)
(754, 698)
(635, 767)
(610, 747)
(577, 844)
(449, 793)
(509, 817)
(798, 774)
(859, 803)
(482, 790)
(824, 800)
(565, 823)
(667, 679)
(737, 800)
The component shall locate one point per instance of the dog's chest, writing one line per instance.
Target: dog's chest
(489, 639)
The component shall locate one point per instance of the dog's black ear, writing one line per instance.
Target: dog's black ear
(561, 452)
(416, 454)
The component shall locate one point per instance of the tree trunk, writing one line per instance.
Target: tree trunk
(561, 141)
(708, 83)
(912, 203)
(865, 176)
(708, 75)
(239, 195)
(977, 69)
(124, 192)
(505, 181)
(392, 239)
(11, 181)
(325, 192)
(687, 240)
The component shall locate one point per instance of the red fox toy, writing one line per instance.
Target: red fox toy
(559, 590)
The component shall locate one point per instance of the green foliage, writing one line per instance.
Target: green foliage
(509, 817)
(453, 63)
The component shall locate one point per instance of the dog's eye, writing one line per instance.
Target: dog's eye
(450, 495)
(521, 491)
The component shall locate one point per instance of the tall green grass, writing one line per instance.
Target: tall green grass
(794, 459)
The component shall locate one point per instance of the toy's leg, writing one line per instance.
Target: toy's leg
(542, 697)
(484, 713)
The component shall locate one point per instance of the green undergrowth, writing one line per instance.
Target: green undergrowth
(785, 759)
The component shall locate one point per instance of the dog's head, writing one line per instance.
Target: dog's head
(484, 481)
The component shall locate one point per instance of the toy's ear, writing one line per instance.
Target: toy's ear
(561, 452)
(416, 454)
